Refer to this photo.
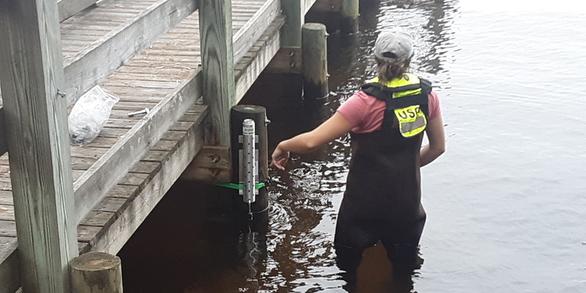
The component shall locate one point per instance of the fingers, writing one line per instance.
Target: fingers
(279, 159)
(280, 163)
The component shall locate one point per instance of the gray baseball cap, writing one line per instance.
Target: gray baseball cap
(393, 46)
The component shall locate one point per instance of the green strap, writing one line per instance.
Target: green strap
(240, 186)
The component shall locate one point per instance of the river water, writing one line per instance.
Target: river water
(506, 203)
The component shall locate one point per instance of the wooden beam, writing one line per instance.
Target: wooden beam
(9, 277)
(215, 25)
(91, 187)
(350, 8)
(210, 165)
(3, 142)
(260, 56)
(69, 8)
(116, 235)
(328, 5)
(38, 142)
(287, 60)
(295, 17)
(349, 12)
(86, 68)
(255, 27)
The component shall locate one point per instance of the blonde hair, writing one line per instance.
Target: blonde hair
(388, 71)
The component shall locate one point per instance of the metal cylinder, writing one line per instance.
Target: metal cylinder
(248, 164)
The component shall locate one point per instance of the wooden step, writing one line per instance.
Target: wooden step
(99, 40)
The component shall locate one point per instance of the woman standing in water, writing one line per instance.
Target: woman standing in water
(386, 119)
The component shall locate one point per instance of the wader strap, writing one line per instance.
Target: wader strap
(420, 99)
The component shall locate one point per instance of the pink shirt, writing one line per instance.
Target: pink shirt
(365, 113)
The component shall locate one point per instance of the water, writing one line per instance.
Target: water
(506, 204)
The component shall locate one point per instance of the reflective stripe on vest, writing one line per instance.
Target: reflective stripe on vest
(412, 120)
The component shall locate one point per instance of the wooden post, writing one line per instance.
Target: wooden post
(96, 272)
(350, 12)
(217, 59)
(315, 62)
(31, 70)
(291, 30)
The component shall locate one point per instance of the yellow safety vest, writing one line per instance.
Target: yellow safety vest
(411, 118)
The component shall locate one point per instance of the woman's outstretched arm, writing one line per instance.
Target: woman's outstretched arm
(437, 141)
(331, 129)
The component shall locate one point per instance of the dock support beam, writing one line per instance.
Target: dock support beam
(38, 142)
(96, 272)
(349, 12)
(217, 59)
(291, 30)
(315, 62)
(288, 59)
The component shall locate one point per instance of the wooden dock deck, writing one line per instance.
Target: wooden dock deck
(147, 53)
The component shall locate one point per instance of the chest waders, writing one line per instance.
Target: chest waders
(382, 201)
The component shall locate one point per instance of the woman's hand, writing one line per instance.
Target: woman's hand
(280, 158)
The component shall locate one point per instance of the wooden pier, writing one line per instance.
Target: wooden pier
(149, 54)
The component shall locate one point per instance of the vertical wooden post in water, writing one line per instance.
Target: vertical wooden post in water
(217, 59)
(96, 272)
(291, 30)
(315, 61)
(350, 11)
(31, 70)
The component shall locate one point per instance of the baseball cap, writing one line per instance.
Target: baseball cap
(393, 46)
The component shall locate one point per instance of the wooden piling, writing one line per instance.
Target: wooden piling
(38, 143)
(349, 12)
(217, 59)
(315, 63)
(291, 30)
(96, 272)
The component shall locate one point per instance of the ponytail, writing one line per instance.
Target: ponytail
(388, 71)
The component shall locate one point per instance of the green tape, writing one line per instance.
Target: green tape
(240, 186)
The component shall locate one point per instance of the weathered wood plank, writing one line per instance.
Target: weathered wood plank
(115, 235)
(38, 142)
(87, 67)
(7, 212)
(6, 197)
(327, 6)
(215, 24)
(287, 60)
(295, 17)
(255, 27)
(269, 45)
(68, 8)
(3, 142)
(9, 277)
(111, 167)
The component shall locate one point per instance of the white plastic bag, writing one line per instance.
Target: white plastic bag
(89, 114)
